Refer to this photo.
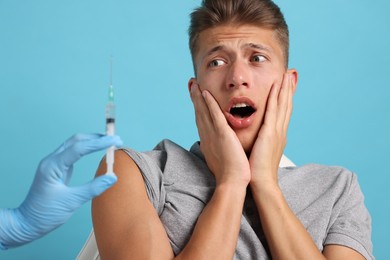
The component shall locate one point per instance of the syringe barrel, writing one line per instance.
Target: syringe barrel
(110, 110)
(110, 126)
(110, 118)
(110, 130)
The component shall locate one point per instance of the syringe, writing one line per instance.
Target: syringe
(110, 125)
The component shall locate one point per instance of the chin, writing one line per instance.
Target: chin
(248, 149)
(247, 142)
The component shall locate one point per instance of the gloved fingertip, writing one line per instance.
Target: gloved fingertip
(112, 139)
(102, 183)
(117, 140)
(118, 143)
(108, 179)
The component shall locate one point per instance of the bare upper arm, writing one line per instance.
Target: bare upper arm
(126, 224)
(336, 252)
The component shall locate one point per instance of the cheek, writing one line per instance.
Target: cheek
(263, 82)
(268, 77)
(209, 81)
(212, 85)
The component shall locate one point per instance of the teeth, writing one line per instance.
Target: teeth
(241, 105)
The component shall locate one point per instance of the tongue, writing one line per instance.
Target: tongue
(239, 116)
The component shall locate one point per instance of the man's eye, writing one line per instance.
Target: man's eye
(258, 58)
(216, 63)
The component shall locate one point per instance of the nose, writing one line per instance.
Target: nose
(238, 75)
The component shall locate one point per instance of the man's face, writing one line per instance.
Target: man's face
(238, 65)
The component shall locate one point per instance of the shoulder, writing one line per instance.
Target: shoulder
(319, 184)
(128, 175)
(316, 174)
(158, 154)
(329, 202)
(166, 158)
(123, 163)
(166, 163)
(126, 206)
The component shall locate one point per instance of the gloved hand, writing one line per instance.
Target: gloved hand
(50, 201)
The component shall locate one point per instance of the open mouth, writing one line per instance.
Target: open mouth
(241, 110)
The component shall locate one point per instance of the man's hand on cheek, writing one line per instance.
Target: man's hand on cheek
(271, 140)
(219, 144)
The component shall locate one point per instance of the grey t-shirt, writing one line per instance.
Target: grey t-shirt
(327, 200)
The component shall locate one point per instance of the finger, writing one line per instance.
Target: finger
(57, 158)
(272, 103)
(81, 137)
(82, 147)
(289, 106)
(95, 187)
(283, 102)
(76, 138)
(202, 114)
(67, 175)
(215, 111)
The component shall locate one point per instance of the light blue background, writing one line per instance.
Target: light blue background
(54, 72)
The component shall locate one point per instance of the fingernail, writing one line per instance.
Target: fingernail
(204, 93)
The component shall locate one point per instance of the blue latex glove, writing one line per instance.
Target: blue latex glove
(50, 202)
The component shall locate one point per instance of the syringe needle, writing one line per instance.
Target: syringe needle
(111, 70)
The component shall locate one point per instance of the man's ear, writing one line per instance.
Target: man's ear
(294, 77)
(191, 82)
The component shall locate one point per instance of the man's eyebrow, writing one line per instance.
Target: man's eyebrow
(215, 49)
(258, 47)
